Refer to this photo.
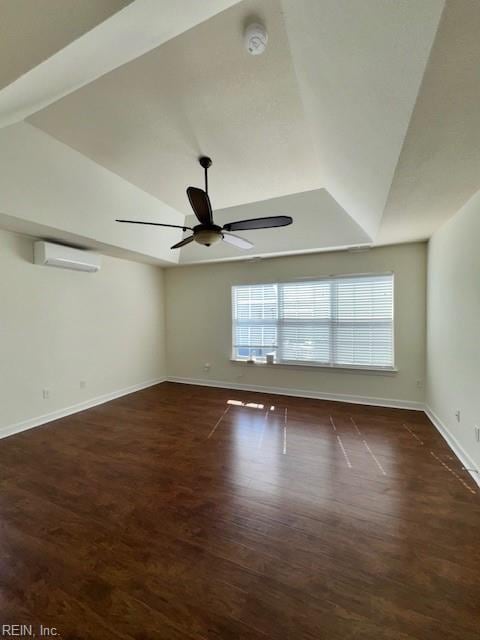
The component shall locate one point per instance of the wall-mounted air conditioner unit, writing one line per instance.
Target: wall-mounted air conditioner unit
(57, 255)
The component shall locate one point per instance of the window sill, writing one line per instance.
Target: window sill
(377, 371)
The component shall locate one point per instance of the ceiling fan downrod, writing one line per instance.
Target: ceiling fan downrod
(206, 163)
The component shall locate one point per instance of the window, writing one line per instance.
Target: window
(336, 322)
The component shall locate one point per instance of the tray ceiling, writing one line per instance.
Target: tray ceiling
(361, 118)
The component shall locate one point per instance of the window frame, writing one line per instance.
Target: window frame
(378, 369)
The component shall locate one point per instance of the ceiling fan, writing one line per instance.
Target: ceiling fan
(207, 232)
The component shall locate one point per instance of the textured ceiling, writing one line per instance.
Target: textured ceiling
(360, 66)
(126, 35)
(361, 118)
(31, 31)
(200, 93)
(439, 167)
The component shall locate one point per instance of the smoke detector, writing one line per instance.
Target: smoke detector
(256, 39)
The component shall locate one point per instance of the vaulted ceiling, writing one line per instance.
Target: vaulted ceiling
(360, 120)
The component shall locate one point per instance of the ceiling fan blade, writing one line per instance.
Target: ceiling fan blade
(258, 223)
(182, 243)
(236, 241)
(200, 204)
(157, 224)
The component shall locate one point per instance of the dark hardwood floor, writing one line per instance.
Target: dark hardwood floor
(178, 512)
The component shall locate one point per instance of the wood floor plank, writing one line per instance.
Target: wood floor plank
(198, 513)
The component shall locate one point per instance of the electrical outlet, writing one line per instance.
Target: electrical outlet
(206, 366)
(419, 384)
(46, 394)
(477, 434)
(457, 415)
(83, 384)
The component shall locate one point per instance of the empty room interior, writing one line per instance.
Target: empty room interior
(239, 319)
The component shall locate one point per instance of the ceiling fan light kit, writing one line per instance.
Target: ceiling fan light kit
(207, 232)
(207, 236)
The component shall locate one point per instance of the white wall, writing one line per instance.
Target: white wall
(59, 327)
(198, 307)
(453, 336)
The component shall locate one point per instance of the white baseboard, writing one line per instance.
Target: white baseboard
(81, 406)
(303, 393)
(454, 445)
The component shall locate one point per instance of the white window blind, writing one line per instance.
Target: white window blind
(344, 321)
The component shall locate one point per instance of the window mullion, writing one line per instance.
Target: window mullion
(333, 321)
(280, 331)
